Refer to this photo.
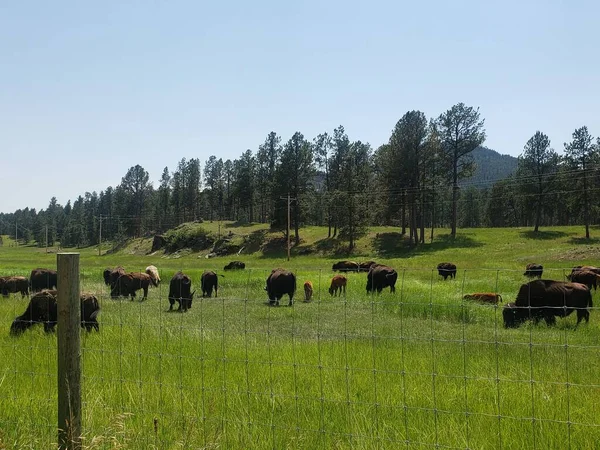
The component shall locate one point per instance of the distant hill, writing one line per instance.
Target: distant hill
(491, 166)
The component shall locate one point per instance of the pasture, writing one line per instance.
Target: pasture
(420, 368)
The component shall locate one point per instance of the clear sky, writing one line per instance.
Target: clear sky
(88, 90)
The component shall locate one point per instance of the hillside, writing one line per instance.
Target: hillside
(491, 166)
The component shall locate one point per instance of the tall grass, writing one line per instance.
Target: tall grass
(418, 368)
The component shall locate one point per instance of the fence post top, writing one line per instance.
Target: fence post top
(68, 253)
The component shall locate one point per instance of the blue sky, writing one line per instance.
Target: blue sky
(89, 90)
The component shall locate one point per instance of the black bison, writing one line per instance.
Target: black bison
(585, 277)
(345, 266)
(446, 270)
(546, 299)
(180, 291)
(380, 277)
(208, 281)
(112, 275)
(279, 283)
(484, 297)
(42, 308)
(533, 270)
(12, 285)
(235, 265)
(127, 284)
(366, 266)
(43, 279)
(152, 271)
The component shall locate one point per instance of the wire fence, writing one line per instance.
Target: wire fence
(418, 368)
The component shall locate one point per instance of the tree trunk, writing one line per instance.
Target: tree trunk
(403, 214)
(586, 211)
(296, 215)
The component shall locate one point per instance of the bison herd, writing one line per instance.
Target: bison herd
(536, 300)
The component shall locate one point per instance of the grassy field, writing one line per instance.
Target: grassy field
(417, 369)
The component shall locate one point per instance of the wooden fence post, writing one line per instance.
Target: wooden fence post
(69, 352)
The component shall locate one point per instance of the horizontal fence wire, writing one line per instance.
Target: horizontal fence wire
(418, 368)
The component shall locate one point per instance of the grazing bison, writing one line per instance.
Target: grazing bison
(534, 270)
(345, 266)
(43, 279)
(446, 270)
(127, 284)
(366, 266)
(42, 308)
(380, 277)
(546, 299)
(484, 297)
(112, 275)
(279, 283)
(152, 271)
(208, 281)
(585, 277)
(308, 291)
(338, 282)
(235, 265)
(588, 268)
(180, 291)
(12, 285)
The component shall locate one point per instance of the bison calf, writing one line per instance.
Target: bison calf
(308, 291)
(484, 297)
(338, 282)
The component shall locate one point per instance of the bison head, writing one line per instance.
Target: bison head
(513, 315)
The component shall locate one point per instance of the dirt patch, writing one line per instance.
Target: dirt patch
(579, 253)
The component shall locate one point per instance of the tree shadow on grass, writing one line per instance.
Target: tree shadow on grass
(395, 244)
(240, 224)
(543, 235)
(584, 241)
(332, 247)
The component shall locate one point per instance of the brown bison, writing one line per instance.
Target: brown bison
(180, 291)
(533, 270)
(208, 281)
(279, 283)
(546, 299)
(235, 265)
(127, 284)
(12, 285)
(365, 266)
(484, 297)
(588, 268)
(42, 308)
(585, 277)
(152, 271)
(345, 266)
(380, 277)
(308, 291)
(338, 282)
(43, 279)
(446, 270)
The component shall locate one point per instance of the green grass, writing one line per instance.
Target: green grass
(420, 367)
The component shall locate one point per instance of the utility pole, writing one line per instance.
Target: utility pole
(100, 238)
(16, 233)
(289, 202)
(46, 238)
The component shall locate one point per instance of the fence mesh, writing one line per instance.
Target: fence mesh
(418, 368)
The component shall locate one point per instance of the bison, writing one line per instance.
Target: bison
(208, 281)
(279, 283)
(585, 277)
(546, 299)
(345, 266)
(12, 285)
(338, 282)
(484, 297)
(308, 291)
(152, 271)
(112, 275)
(235, 265)
(533, 270)
(42, 308)
(446, 270)
(366, 266)
(127, 284)
(380, 277)
(43, 279)
(180, 291)
(588, 268)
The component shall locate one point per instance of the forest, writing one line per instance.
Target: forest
(421, 179)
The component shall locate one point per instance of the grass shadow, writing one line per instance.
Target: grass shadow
(543, 235)
(240, 224)
(332, 247)
(394, 244)
(583, 241)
